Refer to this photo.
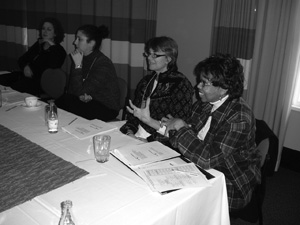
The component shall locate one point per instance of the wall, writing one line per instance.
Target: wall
(189, 23)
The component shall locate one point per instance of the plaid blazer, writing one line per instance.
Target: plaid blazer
(229, 146)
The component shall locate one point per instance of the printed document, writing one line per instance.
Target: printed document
(87, 129)
(137, 155)
(167, 176)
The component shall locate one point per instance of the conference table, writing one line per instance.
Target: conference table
(105, 193)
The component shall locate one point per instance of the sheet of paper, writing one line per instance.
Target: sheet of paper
(119, 140)
(88, 129)
(136, 155)
(167, 176)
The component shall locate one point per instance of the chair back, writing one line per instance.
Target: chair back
(267, 143)
(53, 82)
(123, 95)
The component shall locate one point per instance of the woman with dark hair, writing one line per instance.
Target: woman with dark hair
(93, 91)
(45, 53)
(220, 133)
(169, 91)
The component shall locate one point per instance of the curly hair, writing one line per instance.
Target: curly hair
(58, 29)
(167, 45)
(224, 71)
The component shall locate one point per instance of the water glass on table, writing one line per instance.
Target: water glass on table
(101, 147)
(47, 109)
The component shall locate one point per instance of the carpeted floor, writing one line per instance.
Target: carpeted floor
(282, 201)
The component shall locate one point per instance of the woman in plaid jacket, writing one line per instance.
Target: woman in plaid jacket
(220, 133)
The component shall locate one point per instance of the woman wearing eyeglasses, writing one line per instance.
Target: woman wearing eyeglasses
(220, 133)
(165, 91)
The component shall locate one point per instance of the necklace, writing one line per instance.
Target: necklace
(89, 70)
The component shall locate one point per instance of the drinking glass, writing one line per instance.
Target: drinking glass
(101, 147)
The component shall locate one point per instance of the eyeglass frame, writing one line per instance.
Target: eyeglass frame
(205, 83)
(153, 55)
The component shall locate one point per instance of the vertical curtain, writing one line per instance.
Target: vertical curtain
(275, 62)
(233, 30)
(131, 23)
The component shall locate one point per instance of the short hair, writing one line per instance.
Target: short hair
(58, 29)
(167, 45)
(224, 71)
(94, 33)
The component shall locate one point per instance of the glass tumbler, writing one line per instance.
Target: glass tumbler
(101, 147)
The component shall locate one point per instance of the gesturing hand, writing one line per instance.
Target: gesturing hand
(142, 114)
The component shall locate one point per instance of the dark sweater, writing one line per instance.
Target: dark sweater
(39, 59)
(97, 78)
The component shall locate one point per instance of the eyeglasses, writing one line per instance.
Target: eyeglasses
(153, 55)
(205, 83)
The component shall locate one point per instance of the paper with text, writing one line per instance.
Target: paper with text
(168, 176)
(83, 130)
(136, 155)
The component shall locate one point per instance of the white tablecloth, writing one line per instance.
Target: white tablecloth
(111, 193)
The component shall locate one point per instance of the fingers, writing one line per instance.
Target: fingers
(131, 104)
(129, 109)
(170, 116)
(148, 102)
(76, 52)
(85, 98)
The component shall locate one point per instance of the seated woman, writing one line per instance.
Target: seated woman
(169, 90)
(220, 133)
(93, 91)
(45, 53)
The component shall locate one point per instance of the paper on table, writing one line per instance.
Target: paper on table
(136, 155)
(167, 176)
(119, 140)
(88, 129)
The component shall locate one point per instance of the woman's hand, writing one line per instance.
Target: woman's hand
(131, 134)
(142, 114)
(85, 98)
(28, 72)
(77, 57)
(172, 123)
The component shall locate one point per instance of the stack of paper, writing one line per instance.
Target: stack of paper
(138, 155)
(88, 129)
(168, 176)
(160, 167)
